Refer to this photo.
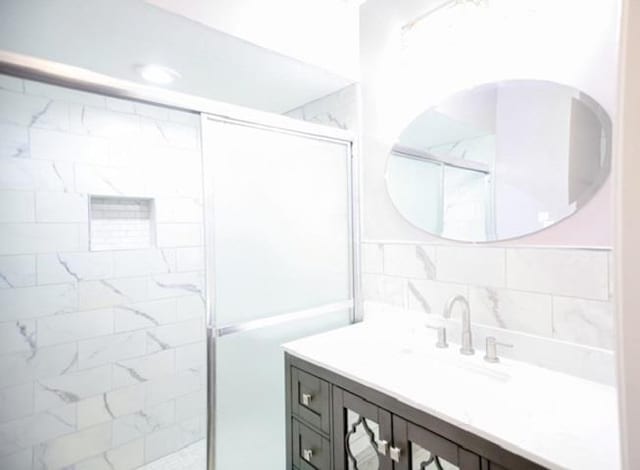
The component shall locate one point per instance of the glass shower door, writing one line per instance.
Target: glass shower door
(281, 268)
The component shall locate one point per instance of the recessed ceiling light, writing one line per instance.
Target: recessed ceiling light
(157, 74)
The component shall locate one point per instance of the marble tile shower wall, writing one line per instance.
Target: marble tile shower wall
(564, 294)
(101, 353)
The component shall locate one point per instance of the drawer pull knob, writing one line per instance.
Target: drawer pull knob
(307, 454)
(306, 399)
(383, 446)
(394, 453)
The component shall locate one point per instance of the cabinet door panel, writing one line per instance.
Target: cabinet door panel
(362, 432)
(421, 449)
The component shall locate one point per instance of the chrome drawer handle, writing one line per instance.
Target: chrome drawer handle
(306, 399)
(383, 446)
(394, 453)
(307, 454)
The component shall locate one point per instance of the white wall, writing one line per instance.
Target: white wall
(320, 32)
(628, 225)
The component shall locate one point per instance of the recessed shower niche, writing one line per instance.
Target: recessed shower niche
(121, 223)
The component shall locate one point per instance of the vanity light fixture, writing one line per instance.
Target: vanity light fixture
(157, 74)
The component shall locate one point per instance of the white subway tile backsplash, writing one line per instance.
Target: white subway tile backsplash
(17, 271)
(549, 293)
(574, 273)
(589, 322)
(17, 206)
(35, 302)
(512, 310)
(412, 261)
(16, 402)
(432, 296)
(69, 327)
(71, 388)
(14, 141)
(73, 448)
(471, 265)
(391, 290)
(23, 433)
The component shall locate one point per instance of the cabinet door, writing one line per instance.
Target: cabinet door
(416, 448)
(362, 433)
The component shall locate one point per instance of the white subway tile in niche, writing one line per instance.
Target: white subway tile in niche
(121, 223)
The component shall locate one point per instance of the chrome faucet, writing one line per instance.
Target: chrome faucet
(466, 342)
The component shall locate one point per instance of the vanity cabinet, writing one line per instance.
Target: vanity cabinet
(336, 423)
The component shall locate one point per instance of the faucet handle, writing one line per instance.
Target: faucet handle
(442, 335)
(491, 352)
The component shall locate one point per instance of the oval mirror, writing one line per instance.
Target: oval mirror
(500, 161)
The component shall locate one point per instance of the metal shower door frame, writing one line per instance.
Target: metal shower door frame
(214, 330)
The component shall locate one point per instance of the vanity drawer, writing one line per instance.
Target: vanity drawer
(311, 451)
(310, 399)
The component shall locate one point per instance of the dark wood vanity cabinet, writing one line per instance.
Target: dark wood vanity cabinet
(334, 423)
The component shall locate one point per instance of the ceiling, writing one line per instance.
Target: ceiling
(112, 37)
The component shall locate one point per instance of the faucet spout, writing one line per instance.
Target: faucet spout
(466, 341)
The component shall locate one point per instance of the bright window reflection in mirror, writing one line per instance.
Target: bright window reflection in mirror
(500, 161)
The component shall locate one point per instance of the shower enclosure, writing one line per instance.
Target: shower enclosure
(156, 249)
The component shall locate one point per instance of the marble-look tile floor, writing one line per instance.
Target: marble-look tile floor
(193, 457)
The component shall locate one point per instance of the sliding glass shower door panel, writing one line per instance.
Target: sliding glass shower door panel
(281, 216)
(281, 269)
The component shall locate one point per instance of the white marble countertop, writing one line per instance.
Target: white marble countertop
(554, 419)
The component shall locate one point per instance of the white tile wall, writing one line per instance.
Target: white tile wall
(563, 294)
(101, 353)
